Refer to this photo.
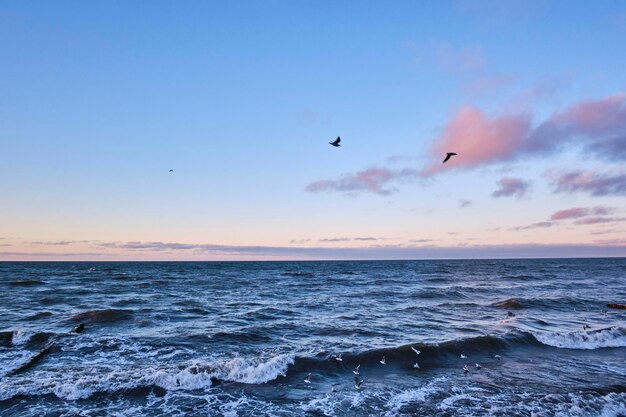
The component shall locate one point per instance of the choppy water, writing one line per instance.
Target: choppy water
(240, 338)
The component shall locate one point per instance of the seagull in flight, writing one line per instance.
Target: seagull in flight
(336, 142)
(356, 370)
(465, 369)
(357, 383)
(308, 379)
(383, 361)
(448, 156)
(171, 170)
(463, 355)
(417, 352)
(478, 366)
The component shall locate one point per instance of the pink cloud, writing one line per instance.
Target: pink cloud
(577, 212)
(594, 183)
(478, 140)
(508, 187)
(597, 220)
(599, 126)
(535, 226)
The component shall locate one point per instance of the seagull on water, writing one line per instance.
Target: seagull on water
(478, 366)
(497, 357)
(417, 352)
(335, 143)
(356, 370)
(463, 355)
(357, 383)
(383, 361)
(308, 379)
(465, 369)
(448, 156)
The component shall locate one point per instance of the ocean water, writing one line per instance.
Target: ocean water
(239, 339)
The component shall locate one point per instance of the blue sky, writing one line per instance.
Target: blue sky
(98, 100)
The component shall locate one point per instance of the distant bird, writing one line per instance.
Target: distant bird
(416, 365)
(336, 142)
(356, 370)
(478, 366)
(463, 355)
(383, 361)
(283, 338)
(79, 328)
(417, 352)
(338, 358)
(498, 357)
(448, 156)
(465, 369)
(308, 379)
(586, 326)
(510, 314)
(357, 383)
(171, 170)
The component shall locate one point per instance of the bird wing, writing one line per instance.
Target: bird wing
(447, 157)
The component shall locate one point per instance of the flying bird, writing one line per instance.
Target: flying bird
(356, 370)
(463, 355)
(308, 379)
(336, 142)
(357, 383)
(171, 170)
(417, 352)
(448, 156)
(383, 361)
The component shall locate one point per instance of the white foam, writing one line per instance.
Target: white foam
(605, 338)
(399, 400)
(20, 337)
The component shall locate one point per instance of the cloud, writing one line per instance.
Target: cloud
(478, 140)
(335, 239)
(373, 180)
(508, 187)
(421, 240)
(594, 183)
(366, 238)
(598, 126)
(464, 203)
(577, 212)
(55, 243)
(534, 226)
(597, 220)
(165, 250)
(299, 241)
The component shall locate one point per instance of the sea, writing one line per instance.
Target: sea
(526, 337)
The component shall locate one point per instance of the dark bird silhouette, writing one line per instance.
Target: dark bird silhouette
(448, 156)
(336, 142)
(171, 170)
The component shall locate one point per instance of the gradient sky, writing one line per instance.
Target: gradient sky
(98, 100)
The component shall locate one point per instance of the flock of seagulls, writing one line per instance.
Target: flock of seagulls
(358, 382)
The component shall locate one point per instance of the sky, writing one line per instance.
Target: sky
(100, 99)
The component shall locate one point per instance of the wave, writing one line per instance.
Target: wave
(108, 315)
(197, 375)
(26, 283)
(298, 274)
(603, 338)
